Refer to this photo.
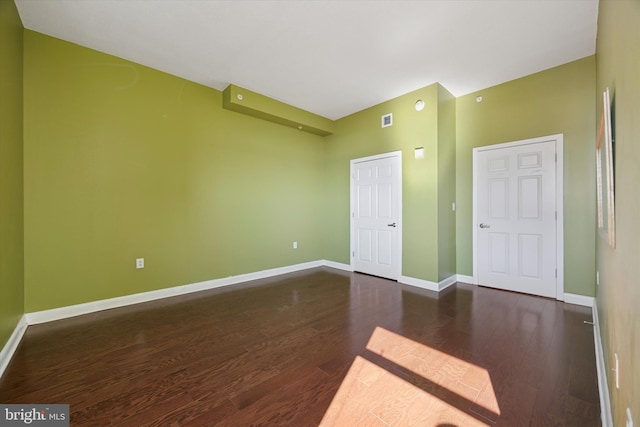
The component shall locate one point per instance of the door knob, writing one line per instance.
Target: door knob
(391, 225)
(483, 225)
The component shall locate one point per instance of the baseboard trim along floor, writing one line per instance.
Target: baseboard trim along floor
(603, 386)
(12, 344)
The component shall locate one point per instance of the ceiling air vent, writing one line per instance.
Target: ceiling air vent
(387, 120)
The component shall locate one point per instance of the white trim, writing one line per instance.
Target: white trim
(603, 386)
(44, 316)
(337, 265)
(466, 279)
(560, 220)
(12, 343)
(559, 140)
(93, 306)
(578, 300)
(426, 284)
(352, 202)
(474, 216)
(451, 280)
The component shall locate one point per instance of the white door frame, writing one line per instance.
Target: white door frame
(352, 206)
(558, 138)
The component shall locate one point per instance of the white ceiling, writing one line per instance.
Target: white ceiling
(332, 58)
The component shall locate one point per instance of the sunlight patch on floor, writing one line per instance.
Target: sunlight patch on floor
(440, 389)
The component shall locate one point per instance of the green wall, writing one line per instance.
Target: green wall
(618, 295)
(361, 135)
(446, 184)
(558, 100)
(11, 187)
(122, 161)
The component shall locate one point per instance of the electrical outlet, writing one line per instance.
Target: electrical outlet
(295, 245)
(139, 263)
(597, 278)
(629, 418)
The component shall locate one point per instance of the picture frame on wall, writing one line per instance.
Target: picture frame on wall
(605, 172)
(599, 172)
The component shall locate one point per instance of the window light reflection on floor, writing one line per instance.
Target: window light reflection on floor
(412, 384)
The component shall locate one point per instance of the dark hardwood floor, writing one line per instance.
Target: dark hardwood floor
(320, 347)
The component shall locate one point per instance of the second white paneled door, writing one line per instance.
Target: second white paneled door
(516, 211)
(375, 214)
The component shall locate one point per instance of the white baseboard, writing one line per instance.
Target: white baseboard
(603, 386)
(426, 284)
(451, 280)
(578, 300)
(12, 344)
(337, 265)
(94, 306)
(465, 279)
(568, 298)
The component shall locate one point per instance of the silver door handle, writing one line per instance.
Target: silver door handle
(483, 225)
(391, 225)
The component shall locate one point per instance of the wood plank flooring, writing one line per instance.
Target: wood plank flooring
(320, 347)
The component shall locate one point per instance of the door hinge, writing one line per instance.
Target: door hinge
(556, 157)
(353, 254)
(556, 215)
(556, 273)
(353, 214)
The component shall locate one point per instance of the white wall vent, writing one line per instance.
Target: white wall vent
(387, 120)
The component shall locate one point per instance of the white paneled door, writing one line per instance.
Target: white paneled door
(516, 212)
(375, 215)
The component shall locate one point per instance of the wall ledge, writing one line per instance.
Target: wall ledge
(241, 100)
